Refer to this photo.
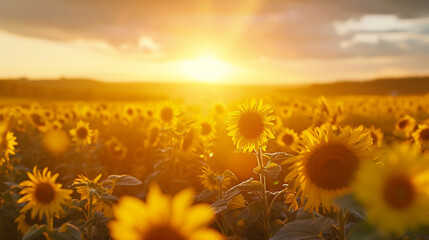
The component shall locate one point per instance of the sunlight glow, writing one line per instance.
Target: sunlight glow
(206, 69)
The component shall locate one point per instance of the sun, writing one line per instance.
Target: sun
(205, 69)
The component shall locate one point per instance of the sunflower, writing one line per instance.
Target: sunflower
(277, 121)
(396, 194)
(251, 126)
(212, 180)
(406, 125)
(56, 142)
(218, 108)
(38, 120)
(189, 142)
(116, 149)
(43, 196)
(288, 139)
(25, 221)
(327, 163)
(153, 134)
(7, 146)
(285, 111)
(377, 136)
(83, 184)
(3, 131)
(206, 129)
(161, 217)
(168, 113)
(82, 134)
(421, 136)
(56, 125)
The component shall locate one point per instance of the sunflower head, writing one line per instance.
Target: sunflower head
(38, 120)
(7, 145)
(153, 135)
(116, 149)
(421, 136)
(405, 125)
(328, 160)
(25, 221)
(251, 125)
(56, 142)
(162, 217)
(377, 136)
(84, 184)
(395, 193)
(168, 113)
(207, 129)
(42, 195)
(213, 180)
(189, 142)
(288, 139)
(82, 134)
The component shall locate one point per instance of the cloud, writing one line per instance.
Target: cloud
(241, 28)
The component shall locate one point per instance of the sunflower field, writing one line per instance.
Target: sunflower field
(352, 167)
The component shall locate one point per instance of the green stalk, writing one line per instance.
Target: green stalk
(341, 218)
(90, 213)
(264, 195)
(50, 221)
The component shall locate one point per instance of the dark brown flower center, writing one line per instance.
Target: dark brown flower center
(424, 134)
(37, 119)
(163, 232)
(116, 150)
(332, 167)
(219, 109)
(44, 193)
(205, 128)
(130, 111)
(250, 125)
(167, 114)
(287, 139)
(374, 138)
(82, 133)
(399, 192)
(402, 124)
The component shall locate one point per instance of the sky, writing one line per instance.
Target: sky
(240, 41)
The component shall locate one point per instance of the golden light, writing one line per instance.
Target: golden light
(206, 69)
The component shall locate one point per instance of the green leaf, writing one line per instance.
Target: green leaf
(350, 203)
(276, 225)
(67, 231)
(253, 211)
(364, 230)
(308, 229)
(278, 156)
(229, 175)
(272, 170)
(205, 195)
(124, 180)
(35, 232)
(246, 186)
(423, 230)
(109, 198)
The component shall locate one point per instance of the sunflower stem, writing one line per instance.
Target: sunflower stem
(264, 195)
(341, 224)
(90, 215)
(50, 221)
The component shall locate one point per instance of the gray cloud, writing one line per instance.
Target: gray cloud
(274, 29)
